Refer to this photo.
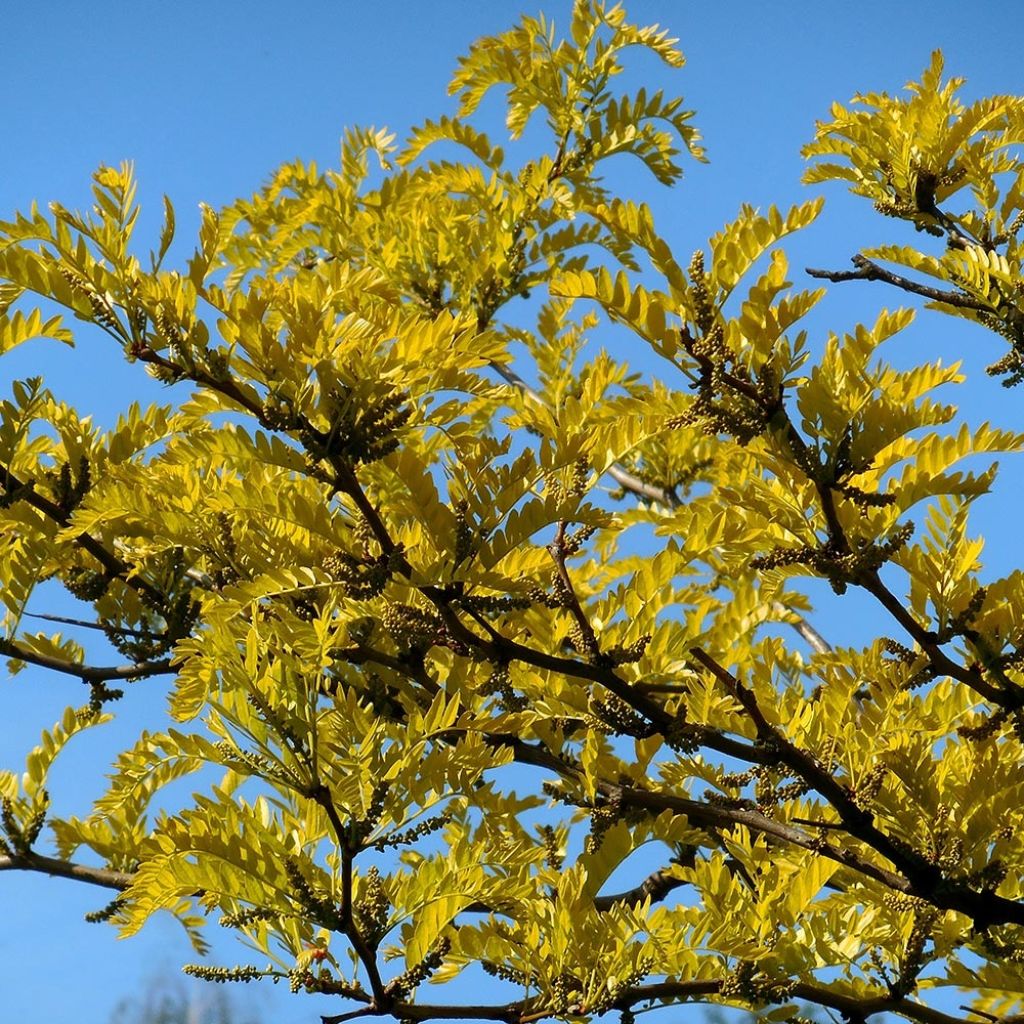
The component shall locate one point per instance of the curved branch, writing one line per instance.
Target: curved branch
(87, 673)
(114, 566)
(924, 879)
(524, 1012)
(867, 270)
(655, 886)
(851, 1007)
(105, 877)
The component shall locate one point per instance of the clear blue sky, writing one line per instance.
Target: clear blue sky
(207, 98)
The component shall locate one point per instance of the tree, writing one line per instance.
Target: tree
(444, 690)
(164, 1002)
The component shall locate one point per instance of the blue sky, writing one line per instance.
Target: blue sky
(207, 98)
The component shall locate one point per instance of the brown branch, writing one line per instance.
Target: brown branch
(851, 1007)
(104, 877)
(655, 886)
(807, 632)
(114, 566)
(558, 551)
(526, 1011)
(1009, 696)
(511, 1013)
(359, 654)
(722, 816)
(867, 270)
(228, 386)
(87, 673)
(83, 624)
(367, 957)
(925, 879)
(937, 658)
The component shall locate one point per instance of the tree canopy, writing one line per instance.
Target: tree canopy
(458, 615)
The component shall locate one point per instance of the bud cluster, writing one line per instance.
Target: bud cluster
(608, 994)
(628, 654)
(508, 973)
(566, 995)
(411, 979)
(749, 984)
(870, 786)
(363, 577)
(989, 877)
(913, 959)
(942, 848)
(226, 571)
(465, 534)
(320, 908)
(576, 486)
(409, 626)
(100, 694)
(220, 975)
(21, 836)
(602, 818)
(67, 492)
(362, 429)
(987, 728)
(107, 912)
(249, 762)
(86, 584)
(500, 682)
(614, 714)
(363, 827)
(552, 850)
(248, 916)
(960, 624)
(372, 908)
(839, 569)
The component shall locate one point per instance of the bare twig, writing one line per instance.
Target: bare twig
(867, 270)
(104, 877)
(142, 634)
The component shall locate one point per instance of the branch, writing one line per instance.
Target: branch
(104, 877)
(558, 551)
(511, 1013)
(937, 658)
(870, 271)
(115, 567)
(366, 955)
(87, 673)
(526, 1011)
(142, 634)
(656, 886)
(925, 879)
(851, 1007)
(722, 816)
(807, 632)
(666, 496)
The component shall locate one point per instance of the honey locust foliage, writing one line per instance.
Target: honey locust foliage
(383, 543)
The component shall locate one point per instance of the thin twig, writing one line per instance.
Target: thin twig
(867, 270)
